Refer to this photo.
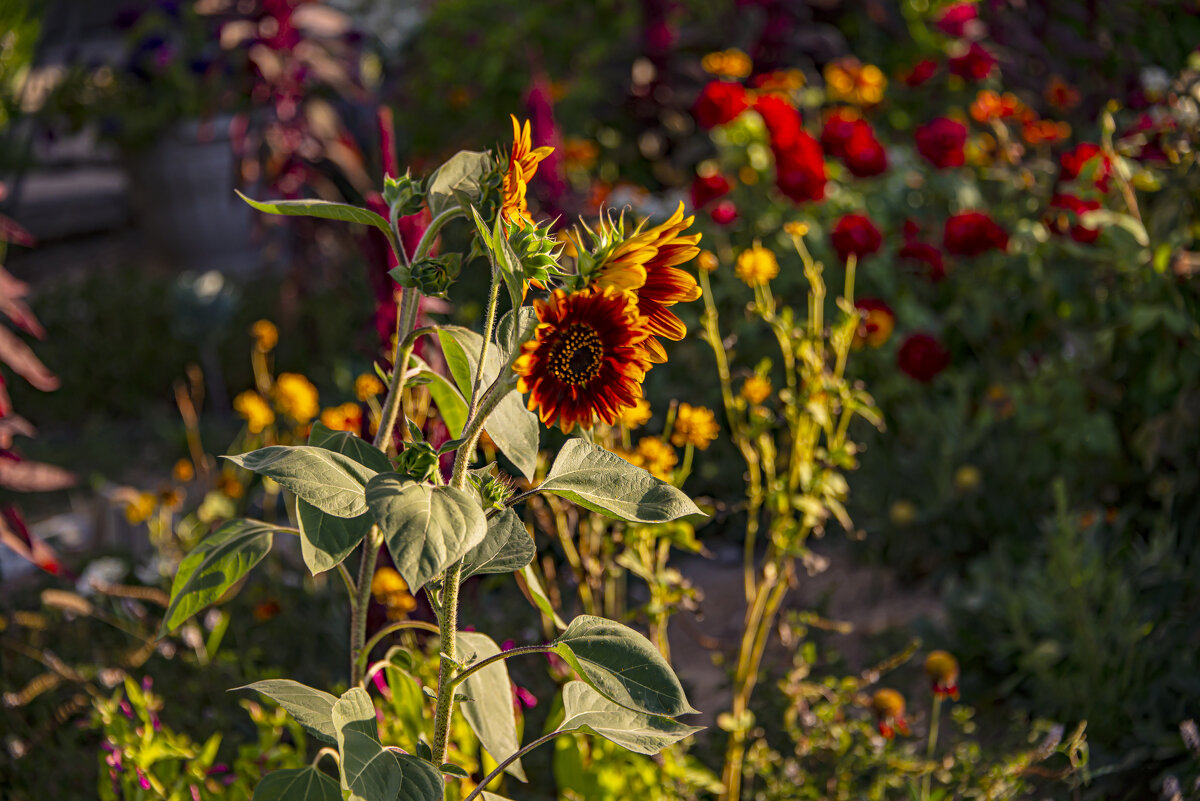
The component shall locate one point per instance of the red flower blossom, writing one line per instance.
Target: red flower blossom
(927, 255)
(782, 121)
(706, 190)
(855, 234)
(799, 162)
(955, 19)
(719, 102)
(1062, 217)
(973, 65)
(724, 213)
(1074, 161)
(865, 156)
(942, 142)
(919, 73)
(922, 357)
(972, 233)
(840, 125)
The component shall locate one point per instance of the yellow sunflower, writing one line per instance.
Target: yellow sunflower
(522, 165)
(586, 360)
(647, 264)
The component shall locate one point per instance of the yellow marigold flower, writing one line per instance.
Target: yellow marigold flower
(140, 509)
(756, 389)
(731, 63)
(367, 386)
(522, 165)
(183, 471)
(707, 261)
(635, 416)
(851, 81)
(296, 397)
(695, 425)
(757, 265)
(794, 228)
(657, 457)
(254, 408)
(266, 335)
(390, 589)
(346, 417)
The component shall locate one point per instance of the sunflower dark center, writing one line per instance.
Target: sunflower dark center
(577, 356)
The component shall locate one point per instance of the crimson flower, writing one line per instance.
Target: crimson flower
(1062, 217)
(973, 65)
(856, 234)
(919, 73)
(922, 357)
(955, 19)
(1074, 161)
(706, 190)
(865, 156)
(719, 102)
(799, 161)
(973, 233)
(941, 142)
(724, 213)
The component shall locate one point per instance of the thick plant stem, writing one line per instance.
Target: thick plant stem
(358, 612)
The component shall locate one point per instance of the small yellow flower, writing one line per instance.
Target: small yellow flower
(296, 397)
(942, 669)
(390, 589)
(795, 228)
(140, 509)
(757, 265)
(707, 261)
(731, 63)
(367, 386)
(657, 457)
(346, 417)
(635, 416)
(756, 389)
(696, 425)
(254, 408)
(183, 471)
(229, 485)
(849, 80)
(266, 335)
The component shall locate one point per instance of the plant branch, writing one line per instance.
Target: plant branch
(500, 657)
(491, 777)
(392, 628)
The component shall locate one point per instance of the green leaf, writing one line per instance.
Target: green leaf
(588, 711)
(462, 174)
(312, 709)
(322, 209)
(426, 528)
(422, 781)
(348, 444)
(325, 540)
(506, 548)
(511, 336)
(605, 483)
(330, 481)
(511, 426)
(449, 402)
(215, 565)
(623, 666)
(490, 712)
(509, 264)
(297, 784)
(538, 595)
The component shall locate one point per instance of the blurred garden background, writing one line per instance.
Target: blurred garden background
(1005, 192)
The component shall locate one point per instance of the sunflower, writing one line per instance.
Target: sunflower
(522, 165)
(586, 359)
(646, 263)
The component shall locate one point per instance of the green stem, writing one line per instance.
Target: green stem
(500, 657)
(435, 226)
(358, 611)
(391, 628)
(935, 717)
(349, 582)
(491, 777)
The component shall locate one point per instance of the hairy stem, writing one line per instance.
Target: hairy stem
(491, 777)
(500, 657)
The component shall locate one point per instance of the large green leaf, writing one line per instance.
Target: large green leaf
(215, 565)
(312, 709)
(515, 328)
(331, 481)
(297, 784)
(371, 772)
(588, 711)
(506, 548)
(462, 175)
(426, 528)
(326, 540)
(446, 397)
(622, 665)
(511, 426)
(322, 209)
(346, 443)
(604, 482)
(490, 711)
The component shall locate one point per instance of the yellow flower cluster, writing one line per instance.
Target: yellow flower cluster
(296, 397)
(255, 409)
(390, 589)
(635, 416)
(731, 63)
(367, 386)
(848, 80)
(756, 389)
(653, 455)
(694, 425)
(756, 265)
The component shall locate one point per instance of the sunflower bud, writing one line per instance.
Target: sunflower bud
(537, 250)
(493, 490)
(419, 461)
(431, 276)
(404, 194)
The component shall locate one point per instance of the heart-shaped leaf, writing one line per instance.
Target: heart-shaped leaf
(326, 540)
(622, 665)
(490, 711)
(460, 177)
(297, 784)
(330, 481)
(312, 709)
(604, 482)
(506, 548)
(587, 711)
(348, 444)
(323, 209)
(426, 528)
(215, 565)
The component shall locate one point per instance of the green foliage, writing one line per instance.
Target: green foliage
(506, 548)
(489, 710)
(312, 709)
(588, 711)
(334, 483)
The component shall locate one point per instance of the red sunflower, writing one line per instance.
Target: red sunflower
(587, 359)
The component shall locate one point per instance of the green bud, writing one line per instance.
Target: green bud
(493, 490)
(431, 276)
(419, 461)
(537, 250)
(404, 193)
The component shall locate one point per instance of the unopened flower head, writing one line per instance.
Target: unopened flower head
(942, 669)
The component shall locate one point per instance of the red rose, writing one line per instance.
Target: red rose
(1062, 217)
(955, 19)
(973, 65)
(927, 255)
(920, 72)
(724, 212)
(855, 234)
(1074, 161)
(840, 125)
(719, 102)
(973, 233)
(706, 190)
(865, 156)
(941, 142)
(781, 119)
(922, 357)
